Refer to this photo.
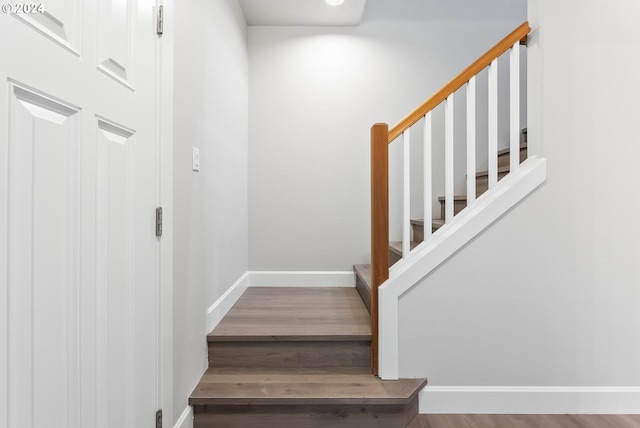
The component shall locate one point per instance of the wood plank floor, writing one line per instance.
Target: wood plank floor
(296, 314)
(526, 421)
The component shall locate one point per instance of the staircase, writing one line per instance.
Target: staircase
(306, 357)
(363, 271)
(298, 357)
(454, 231)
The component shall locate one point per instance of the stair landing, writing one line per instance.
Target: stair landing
(296, 314)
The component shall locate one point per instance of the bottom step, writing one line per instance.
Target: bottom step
(346, 397)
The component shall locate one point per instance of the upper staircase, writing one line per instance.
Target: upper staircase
(459, 201)
(298, 357)
(363, 271)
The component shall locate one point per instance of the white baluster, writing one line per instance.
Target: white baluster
(514, 95)
(448, 159)
(428, 195)
(471, 141)
(406, 211)
(493, 123)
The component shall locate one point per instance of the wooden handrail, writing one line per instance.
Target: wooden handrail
(519, 34)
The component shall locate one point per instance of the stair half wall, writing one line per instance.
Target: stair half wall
(428, 255)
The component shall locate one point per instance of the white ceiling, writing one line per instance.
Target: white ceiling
(354, 12)
(302, 12)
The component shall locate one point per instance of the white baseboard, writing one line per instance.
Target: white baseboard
(186, 419)
(219, 309)
(530, 400)
(302, 279)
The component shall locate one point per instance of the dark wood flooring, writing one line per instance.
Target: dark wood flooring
(526, 421)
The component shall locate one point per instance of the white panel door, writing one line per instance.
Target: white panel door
(79, 177)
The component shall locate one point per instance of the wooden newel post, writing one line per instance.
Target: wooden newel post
(379, 225)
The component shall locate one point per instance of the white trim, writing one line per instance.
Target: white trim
(302, 279)
(165, 58)
(450, 238)
(186, 419)
(493, 124)
(529, 400)
(471, 141)
(427, 207)
(449, 163)
(514, 111)
(219, 309)
(406, 193)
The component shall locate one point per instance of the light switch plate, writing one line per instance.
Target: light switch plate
(196, 159)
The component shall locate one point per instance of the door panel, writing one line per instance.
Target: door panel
(79, 259)
(61, 22)
(115, 25)
(114, 263)
(42, 266)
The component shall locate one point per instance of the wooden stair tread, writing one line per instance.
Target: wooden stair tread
(436, 222)
(396, 246)
(455, 198)
(301, 386)
(508, 149)
(364, 272)
(501, 170)
(295, 314)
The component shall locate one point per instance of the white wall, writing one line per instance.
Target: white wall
(549, 295)
(315, 93)
(211, 223)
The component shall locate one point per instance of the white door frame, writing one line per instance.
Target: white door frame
(165, 180)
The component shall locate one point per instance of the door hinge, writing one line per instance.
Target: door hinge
(160, 24)
(159, 419)
(159, 221)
